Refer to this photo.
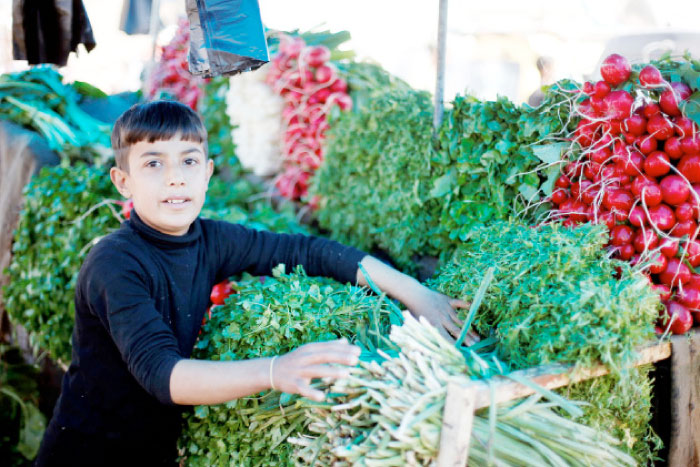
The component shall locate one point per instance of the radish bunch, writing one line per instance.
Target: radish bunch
(634, 166)
(171, 77)
(310, 87)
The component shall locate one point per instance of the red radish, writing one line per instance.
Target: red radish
(660, 127)
(651, 109)
(647, 144)
(588, 88)
(651, 194)
(694, 281)
(621, 235)
(635, 124)
(668, 247)
(674, 190)
(664, 291)
(625, 252)
(672, 147)
(684, 126)
(615, 69)
(657, 164)
(662, 217)
(650, 77)
(325, 74)
(344, 101)
(659, 265)
(619, 200)
(684, 228)
(692, 253)
(559, 196)
(591, 170)
(637, 216)
(680, 318)
(220, 292)
(618, 104)
(127, 206)
(573, 170)
(676, 273)
(318, 56)
(671, 98)
(598, 105)
(691, 144)
(601, 155)
(645, 240)
(689, 166)
(606, 218)
(601, 89)
(339, 85)
(629, 138)
(639, 182)
(684, 212)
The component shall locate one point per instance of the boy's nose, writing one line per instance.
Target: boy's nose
(176, 177)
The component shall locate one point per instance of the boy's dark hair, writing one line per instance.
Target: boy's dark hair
(155, 121)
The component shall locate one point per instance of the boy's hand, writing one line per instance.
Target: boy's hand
(439, 310)
(292, 373)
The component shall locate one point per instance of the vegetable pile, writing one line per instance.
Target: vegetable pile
(389, 412)
(265, 319)
(310, 87)
(39, 100)
(555, 298)
(385, 183)
(67, 210)
(171, 78)
(634, 165)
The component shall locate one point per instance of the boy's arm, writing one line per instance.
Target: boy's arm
(194, 382)
(437, 308)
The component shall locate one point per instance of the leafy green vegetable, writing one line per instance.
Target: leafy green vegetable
(265, 319)
(66, 210)
(21, 423)
(622, 406)
(222, 149)
(554, 297)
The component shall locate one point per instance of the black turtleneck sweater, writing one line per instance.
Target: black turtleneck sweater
(139, 303)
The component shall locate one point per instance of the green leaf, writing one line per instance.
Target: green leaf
(444, 184)
(691, 107)
(549, 153)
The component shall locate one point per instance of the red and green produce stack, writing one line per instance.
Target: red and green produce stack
(634, 165)
(311, 87)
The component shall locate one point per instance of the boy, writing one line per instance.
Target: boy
(142, 292)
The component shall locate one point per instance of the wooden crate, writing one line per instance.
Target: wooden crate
(464, 399)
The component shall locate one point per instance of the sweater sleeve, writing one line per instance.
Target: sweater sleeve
(258, 252)
(116, 290)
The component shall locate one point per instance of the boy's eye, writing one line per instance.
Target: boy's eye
(152, 163)
(191, 161)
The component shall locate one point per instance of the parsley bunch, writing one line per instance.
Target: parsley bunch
(261, 320)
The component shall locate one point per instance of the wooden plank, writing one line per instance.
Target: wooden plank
(555, 376)
(457, 423)
(684, 449)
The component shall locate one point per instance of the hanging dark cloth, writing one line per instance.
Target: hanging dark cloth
(47, 31)
(226, 37)
(136, 16)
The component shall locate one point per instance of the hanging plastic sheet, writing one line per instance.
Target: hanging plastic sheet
(226, 37)
(136, 16)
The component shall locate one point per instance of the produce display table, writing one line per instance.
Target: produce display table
(463, 400)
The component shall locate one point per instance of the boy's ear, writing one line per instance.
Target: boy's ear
(119, 178)
(210, 170)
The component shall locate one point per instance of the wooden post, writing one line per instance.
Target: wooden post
(440, 79)
(457, 423)
(684, 447)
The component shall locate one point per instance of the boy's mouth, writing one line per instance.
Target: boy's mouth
(176, 201)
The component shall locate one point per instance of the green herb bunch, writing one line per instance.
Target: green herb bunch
(492, 155)
(222, 148)
(67, 209)
(554, 296)
(39, 100)
(376, 177)
(622, 406)
(261, 320)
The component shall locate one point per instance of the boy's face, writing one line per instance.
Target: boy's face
(167, 181)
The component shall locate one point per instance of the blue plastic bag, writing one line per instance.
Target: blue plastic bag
(226, 37)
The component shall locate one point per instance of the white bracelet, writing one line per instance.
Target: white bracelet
(272, 365)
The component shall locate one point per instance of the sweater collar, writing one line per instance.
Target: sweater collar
(164, 240)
